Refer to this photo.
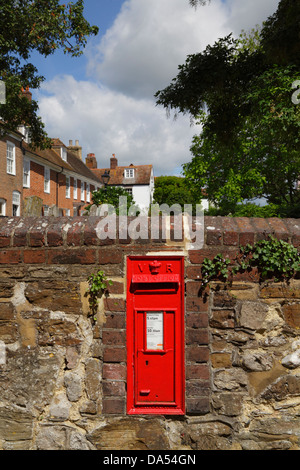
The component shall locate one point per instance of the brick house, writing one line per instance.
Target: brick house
(58, 176)
(11, 174)
(137, 180)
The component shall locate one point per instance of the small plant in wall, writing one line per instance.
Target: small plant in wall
(274, 259)
(98, 286)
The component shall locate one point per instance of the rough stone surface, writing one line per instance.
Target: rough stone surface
(63, 371)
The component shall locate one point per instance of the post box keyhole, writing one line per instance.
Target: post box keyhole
(147, 363)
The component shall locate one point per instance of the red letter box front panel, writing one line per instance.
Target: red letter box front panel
(155, 336)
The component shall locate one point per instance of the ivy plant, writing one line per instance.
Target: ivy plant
(274, 259)
(98, 285)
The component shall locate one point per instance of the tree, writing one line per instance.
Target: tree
(173, 190)
(28, 26)
(111, 195)
(241, 94)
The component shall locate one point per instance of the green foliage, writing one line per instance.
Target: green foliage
(215, 269)
(239, 91)
(174, 190)
(274, 259)
(26, 27)
(111, 195)
(98, 285)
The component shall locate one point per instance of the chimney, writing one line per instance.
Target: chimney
(26, 93)
(91, 161)
(113, 162)
(76, 149)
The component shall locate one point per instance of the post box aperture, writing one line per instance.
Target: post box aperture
(155, 335)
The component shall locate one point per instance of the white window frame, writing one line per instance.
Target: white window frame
(68, 187)
(63, 153)
(129, 172)
(75, 189)
(88, 193)
(82, 191)
(26, 173)
(10, 158)
(16, 201)
(46, 180)
(2, 207)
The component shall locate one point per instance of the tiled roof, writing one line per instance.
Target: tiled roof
(73, 163)
(79, 167)
(142, 175)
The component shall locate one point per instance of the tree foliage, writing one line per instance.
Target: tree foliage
(173, 190)
(239, 91)
(111, 196)
(28, 26)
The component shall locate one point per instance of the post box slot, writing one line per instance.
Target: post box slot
(147, 288)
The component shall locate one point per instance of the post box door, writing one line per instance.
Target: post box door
(155, 379)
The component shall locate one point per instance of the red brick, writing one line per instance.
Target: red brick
(115, 321)
(199, 406)
(231, 238)
(116, 288)
(72, 256)
(196, 304)
(55, 234)
(114, 372)
(197, 371)
(110, 256)
(90, 236)
(113, 389)
(114, 354)
(197, 320)
(214, 237)
(115, 338)
(196, 336)
(114, 305)
(74, 234)
(10, 257)
(193, 272)
(197, 354)
(34, 256)
(113, 406)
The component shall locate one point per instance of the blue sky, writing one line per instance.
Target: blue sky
(105, 98)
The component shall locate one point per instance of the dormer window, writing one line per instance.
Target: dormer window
(63, 153)
(129, 173)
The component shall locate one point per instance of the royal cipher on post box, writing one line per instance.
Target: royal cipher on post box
(155, 335)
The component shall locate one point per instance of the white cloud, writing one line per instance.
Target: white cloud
(114, 110)
(141, 52)
(107, 122)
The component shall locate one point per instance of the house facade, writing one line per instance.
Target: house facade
(137, 180)
(57, 177)
(11, 174)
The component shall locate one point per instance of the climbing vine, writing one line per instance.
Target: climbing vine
(274, 259)
(98, 285)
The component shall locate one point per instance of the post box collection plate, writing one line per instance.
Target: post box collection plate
(155, 335)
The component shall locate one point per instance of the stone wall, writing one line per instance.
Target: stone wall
(63, 372)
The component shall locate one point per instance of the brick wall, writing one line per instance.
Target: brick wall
(63, 377)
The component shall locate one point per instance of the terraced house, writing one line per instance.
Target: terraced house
(58, 178)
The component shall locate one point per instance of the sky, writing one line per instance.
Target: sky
(105, 99)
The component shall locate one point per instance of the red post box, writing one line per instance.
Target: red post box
(155, 335)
